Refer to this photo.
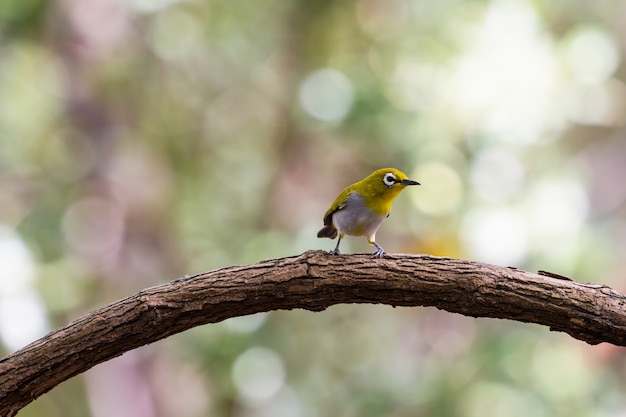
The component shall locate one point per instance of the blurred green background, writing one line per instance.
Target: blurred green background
(143, 140)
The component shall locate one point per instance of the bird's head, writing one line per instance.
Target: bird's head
(383, 185)
(388, 179)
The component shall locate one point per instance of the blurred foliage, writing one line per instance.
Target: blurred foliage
(142, 140)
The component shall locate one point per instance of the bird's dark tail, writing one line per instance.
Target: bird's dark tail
(327, 231)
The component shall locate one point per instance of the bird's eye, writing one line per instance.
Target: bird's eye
(389, 179)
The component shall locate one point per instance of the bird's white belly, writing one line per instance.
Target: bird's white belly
(356, 219)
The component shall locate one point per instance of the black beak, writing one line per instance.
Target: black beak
(409, 182)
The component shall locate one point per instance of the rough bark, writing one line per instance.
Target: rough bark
(312, 281)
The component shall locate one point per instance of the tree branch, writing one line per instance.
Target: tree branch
(312, 281)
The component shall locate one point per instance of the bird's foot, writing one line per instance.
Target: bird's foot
(379, 252)
(334, 252)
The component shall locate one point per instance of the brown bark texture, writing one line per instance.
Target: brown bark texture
(313, 281)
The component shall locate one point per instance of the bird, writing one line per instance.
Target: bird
(361, 208)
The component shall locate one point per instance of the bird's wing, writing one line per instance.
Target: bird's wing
(339, 204)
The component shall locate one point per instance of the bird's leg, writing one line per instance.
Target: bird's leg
(336, 250)
(378, 253)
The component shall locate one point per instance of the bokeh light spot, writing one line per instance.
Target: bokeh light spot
(597, 104)
(327, 95)
(591, 55)
(16, 263)
(558, 209)
(496, 235)
(258, 374)
(94, 226)
(560, 372)
(22, 320)
(174, 35)
(496, 174)
(507, 83)
(414, 86)
(22, 314)
(441, 188)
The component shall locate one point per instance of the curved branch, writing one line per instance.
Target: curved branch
(312, 281)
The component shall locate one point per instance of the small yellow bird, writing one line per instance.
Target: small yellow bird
(361, 208)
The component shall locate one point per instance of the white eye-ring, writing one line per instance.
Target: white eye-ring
(389, 179)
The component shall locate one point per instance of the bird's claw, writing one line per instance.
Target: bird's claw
(378, 253)
(334, 252)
